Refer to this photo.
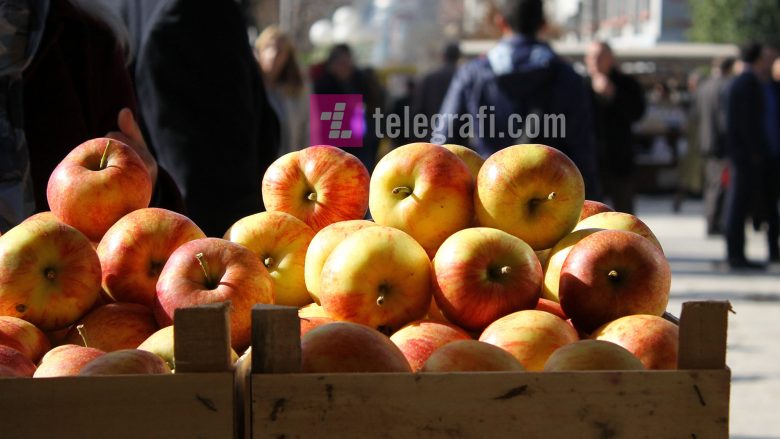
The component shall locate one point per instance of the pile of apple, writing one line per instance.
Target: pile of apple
(467, 265)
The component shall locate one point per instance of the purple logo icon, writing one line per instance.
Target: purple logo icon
(337, 119)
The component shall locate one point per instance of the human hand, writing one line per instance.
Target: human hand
(603, 86)
(130, 134)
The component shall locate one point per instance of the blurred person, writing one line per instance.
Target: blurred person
(617, 101)
(342, 76)
(287, 91)
(776, 70)
(749, 157)
(203, 104)
(690, 169)
(709, 102)
(522, 76)
(429, 96)
(398, 106)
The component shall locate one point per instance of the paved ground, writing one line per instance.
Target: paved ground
(754, 331)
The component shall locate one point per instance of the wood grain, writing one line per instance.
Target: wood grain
(703, 333)
(276, 339)
(202, 338)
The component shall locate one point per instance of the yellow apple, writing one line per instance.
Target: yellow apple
(619, 221)
(470, 157)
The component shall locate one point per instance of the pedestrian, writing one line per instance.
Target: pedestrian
(521, 77)
(690, 167)
(617, 101)
(749, 157)
(709, 101)
(287, 90)
(429, 96)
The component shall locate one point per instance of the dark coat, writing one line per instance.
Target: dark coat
(430, 92)
(710, 103)
(747, 146)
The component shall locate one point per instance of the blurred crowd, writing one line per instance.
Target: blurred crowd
(208, 111)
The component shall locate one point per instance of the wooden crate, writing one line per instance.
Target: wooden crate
(195, 402)
(692, 402)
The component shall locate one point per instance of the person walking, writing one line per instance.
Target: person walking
(522, 76)
(748, 156)
(433, 86)
(617, 101)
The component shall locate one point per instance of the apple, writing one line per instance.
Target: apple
(98, 183)
(309, 323)
(113, 327)
(652, 339)
(418, 340)
(47, 215)
(319, 185)
(552, 272)
(24, 337)
(212, 270)
(344, 347)
(471, 158)
(66, 360)
(592, 355)
(435, 314)
(471, 356)
(320, 247)
(619, 221)
(543, 256)
(312, 310)
(134, 250)
(551, 307)
(16, 362)
(590, 208)
(126, 362)
(481, 274)
(281, 241)
(611, 274)
(534, 192)
(530, 336)
(49, 273)
(424, 190)
(161, 343)
(379, 277)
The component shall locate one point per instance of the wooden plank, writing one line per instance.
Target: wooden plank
(183, 405)
(703, 335)
(632, 405)
(243, 398)
(276, 339)
(202, 338)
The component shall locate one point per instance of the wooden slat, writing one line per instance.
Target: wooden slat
(276, 339)
(202, 338)
(170, 406)
(703, 327)
(631, 405)
(243, 373)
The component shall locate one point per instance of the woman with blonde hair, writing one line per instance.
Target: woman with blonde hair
(287, 91)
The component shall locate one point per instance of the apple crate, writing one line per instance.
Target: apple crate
(195, 402)
(692, 402)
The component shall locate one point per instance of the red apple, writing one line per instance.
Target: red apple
(161, 343)
(126, 362)
(471, 356)
(619, 221)
(534, 192)
(481, 274)
(591, 208)
(611, 274)
(349, 347)
(435, 314)
(66, 360)
(592, 355)
(49, 273)
(652, 339)
(281, 241)
(319, 185)
(320, 248)
(552, 271)
(551, 307)
(24, 337)
(114, 327)
(97, 183)
(530, 336)
(418, 340)
(134, 250)
(309, 323)
(424, 190)
(15, 362)
(213, 270)
(379, 277)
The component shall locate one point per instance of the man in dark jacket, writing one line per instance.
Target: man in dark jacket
(432, 88)
(618, 102)
(522, 76)
(748, 154)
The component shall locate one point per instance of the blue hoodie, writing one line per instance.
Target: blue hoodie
(521, 76)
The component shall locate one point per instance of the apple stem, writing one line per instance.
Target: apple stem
(203, 266)
(104, 158)
(51, 274)
(312, 196)
(403, 190)
(506, 269)
(612, 274)
(380, 301)
(551, 196)
(268, 261)
(82, 334)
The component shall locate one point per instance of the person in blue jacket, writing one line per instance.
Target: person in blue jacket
(524, 77)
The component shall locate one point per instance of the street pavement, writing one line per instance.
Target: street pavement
(754, 331)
